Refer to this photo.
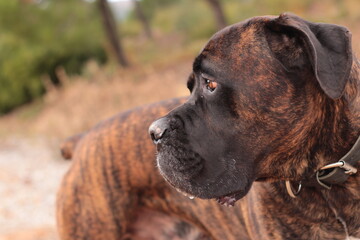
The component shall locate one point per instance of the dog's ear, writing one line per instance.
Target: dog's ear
(326, 46)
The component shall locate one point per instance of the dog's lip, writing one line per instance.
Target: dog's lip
(228, 200)
(185, 194)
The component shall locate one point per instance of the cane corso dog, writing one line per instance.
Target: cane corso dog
(265, 147)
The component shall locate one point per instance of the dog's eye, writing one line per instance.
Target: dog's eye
(210, 85)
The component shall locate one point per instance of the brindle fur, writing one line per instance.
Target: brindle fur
(298, 124)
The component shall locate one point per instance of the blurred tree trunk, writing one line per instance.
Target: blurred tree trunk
(218, 12)
(143, 19)
(111, 32)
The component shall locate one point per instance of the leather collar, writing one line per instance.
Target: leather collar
(339, 172)
(334, 173)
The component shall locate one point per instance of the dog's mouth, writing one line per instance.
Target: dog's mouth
(228, 200)
(188, 172)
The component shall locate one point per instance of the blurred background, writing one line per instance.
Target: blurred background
(67, 64)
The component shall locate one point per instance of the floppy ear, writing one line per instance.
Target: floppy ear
(327, 47)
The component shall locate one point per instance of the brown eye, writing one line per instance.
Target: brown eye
(211, 85)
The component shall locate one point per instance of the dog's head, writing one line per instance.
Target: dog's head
(257, 92)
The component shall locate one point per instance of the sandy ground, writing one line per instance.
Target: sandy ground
(30, 173)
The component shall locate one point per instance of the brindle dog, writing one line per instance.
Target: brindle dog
(273, 99)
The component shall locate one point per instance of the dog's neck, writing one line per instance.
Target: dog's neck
(340, 132)
(352, 95)
(344, 199)
(346, 127)
(352, 114)
(342, 128)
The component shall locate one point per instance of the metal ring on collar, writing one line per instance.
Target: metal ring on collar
(290, 189)
(321, 183)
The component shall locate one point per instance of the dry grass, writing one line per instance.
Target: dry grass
(83, 102)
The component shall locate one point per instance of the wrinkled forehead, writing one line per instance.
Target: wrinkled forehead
(238, 39)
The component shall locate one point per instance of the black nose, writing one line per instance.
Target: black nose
(158, 128)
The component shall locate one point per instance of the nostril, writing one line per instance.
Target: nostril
(152, 135)
(157, 134)
(157, 130)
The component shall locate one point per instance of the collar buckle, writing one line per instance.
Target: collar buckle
(335, 176)
(349, 169)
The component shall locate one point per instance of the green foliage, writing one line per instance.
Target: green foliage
(151, 7)
(35, 39)
(195, 19)
(192, 19)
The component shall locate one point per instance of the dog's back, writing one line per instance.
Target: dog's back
(111, 165)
